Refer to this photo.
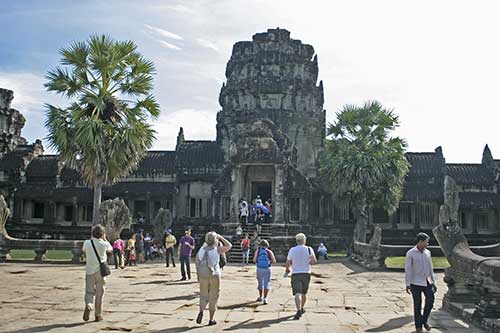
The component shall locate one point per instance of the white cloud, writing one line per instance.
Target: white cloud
(168, 45)
(198, 125)
(162, 32)
(207, 44)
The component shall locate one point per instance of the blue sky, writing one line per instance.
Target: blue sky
(435, 63)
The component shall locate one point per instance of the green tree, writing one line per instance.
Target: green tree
(363, 163)
(105, 131)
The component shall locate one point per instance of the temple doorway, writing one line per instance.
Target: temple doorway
(264, 189)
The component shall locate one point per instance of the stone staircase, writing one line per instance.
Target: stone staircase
(235, 255)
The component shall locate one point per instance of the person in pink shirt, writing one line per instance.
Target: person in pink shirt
(118, 248)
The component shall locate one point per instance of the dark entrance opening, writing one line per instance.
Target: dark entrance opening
(264, 189)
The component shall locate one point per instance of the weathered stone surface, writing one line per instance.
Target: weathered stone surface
(471, 277)
(149, 298)
(11, 123)
(114, 216)
(162, 221)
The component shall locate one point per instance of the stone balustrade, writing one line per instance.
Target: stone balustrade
(473, 280)
(113, 214)
(373, 255)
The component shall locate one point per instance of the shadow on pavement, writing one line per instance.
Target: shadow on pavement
(178, 329)
(175, 298)
(250, 324)
(252, 304)
(47, 328)
(392, 324)
(165, 282)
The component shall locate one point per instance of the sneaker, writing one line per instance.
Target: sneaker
(259, 299)
(264, 301)
(427, 327)
(183, 279)
(212, 322)
(98, 318)
(297, 315)
(199, 318)
(86, 313)
(303, 311)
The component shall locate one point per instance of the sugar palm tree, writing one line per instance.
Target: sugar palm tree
(105, 131)
(363, 163)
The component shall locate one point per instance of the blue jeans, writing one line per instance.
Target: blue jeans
(185, 266)
(263, 278)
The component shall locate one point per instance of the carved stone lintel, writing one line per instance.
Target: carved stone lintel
(39, 253)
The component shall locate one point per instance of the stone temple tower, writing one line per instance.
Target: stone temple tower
(272, 120)
(11, 123)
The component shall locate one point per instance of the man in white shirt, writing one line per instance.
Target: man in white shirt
(243, 212)
(420, 278)
(300, 258)
(94, 282)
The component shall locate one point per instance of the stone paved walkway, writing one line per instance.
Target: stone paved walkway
(148, 298)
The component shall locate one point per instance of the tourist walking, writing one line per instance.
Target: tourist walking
(170, 241)
(130, 247)
(118, 248)
(239, 232)
(259, 220)
(209, 273)
(243, 212)
(139, 245)
(420, 279)
(245, 249)
(148, 247)
(299, 259)
(95, 250)
(186, 247)
(263, 258)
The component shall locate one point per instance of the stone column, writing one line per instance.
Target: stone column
(75, 212)
(148, 208)
(416, 223)
(279, 198)
(236, 189)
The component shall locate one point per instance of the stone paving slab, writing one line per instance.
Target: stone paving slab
(149, 298)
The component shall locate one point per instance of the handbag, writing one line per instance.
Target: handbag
(104, 268)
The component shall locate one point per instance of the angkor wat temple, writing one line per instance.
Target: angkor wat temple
(270, 131)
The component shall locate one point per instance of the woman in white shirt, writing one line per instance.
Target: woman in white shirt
(209, 273)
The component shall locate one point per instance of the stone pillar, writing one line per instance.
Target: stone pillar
(77, 253)
(131, 207)
(75, 212)
(51, 212)
(236, 189)
(148, 208)
(39, 252)
(416, 223)
(279, 198)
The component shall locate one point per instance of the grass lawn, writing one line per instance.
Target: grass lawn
(399, 262)
(50, 254)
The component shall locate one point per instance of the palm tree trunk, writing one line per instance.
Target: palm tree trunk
(97, 202)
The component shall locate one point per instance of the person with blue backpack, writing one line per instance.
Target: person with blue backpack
(264, 258)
